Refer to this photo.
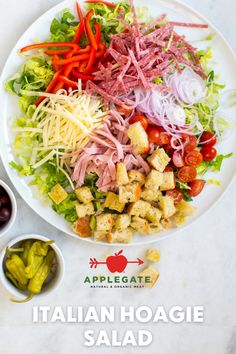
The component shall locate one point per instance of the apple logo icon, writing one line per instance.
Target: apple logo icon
(117, 263)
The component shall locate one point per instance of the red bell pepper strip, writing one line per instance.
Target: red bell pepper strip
(80, 31)
(55, 67)
(82, 65)
(68, 82)
(89, 29)
(57, 52)
(93, 51)
(81, 76)
(48, 45)
(72, 59)
(79, 12)
(50, 87)
(65, 73)
(107, 3)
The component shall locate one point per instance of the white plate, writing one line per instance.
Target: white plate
(225, 65)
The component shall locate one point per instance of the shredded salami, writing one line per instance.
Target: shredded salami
(141, 54)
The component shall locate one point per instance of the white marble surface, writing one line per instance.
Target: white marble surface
(197, 267)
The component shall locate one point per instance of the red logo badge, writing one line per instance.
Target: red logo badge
(116, 263)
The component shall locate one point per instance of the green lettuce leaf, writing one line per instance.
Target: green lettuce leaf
(213, 166)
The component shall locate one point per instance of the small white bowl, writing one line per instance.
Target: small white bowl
(50, 286)
(5, 228)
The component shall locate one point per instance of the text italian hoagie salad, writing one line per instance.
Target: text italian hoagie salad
(121, 120)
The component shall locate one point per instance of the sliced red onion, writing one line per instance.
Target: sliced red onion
(187, 86)
(175, 114)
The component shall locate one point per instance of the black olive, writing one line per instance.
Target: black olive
(4, 200)
(5, 214)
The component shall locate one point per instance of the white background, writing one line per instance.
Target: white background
(197, 267)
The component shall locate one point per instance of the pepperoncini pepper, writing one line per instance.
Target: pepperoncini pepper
(36, 255)
(16, 268)
(27, 246)
(36, 283)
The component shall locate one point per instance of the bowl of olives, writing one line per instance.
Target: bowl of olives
(8, 208)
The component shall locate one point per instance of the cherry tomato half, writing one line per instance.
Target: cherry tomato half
(139, 118)
(196, 187)
(125, 111)
(208, 139)
(193, 158)
(158, 135)
(191, 143)
(176, 194)
(153, 134)
(208, 153)
(187, 174)
(169, 169)
(177, 159)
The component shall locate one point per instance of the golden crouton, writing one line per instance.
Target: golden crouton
(130, 193)
(153, 255)
(104, 222)
(136, 176)
(120, 236)
(140, 225)
(83, 210)
(112, 202)
(154, 215)
(167, 223)
(167, 206)
(84, 194)
(179, 218)
(154, 180)
(100, 235)
(122, 221)
(138, 138)
(122, 177)
(155, 228)
(58, 194)
(152, 273)
(159, 159)
(168, 181)
(151, 195)
(185, 208)
(82, 227)
(139, 208)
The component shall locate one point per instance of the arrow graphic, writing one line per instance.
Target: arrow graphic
(139, 261)
(115, 263)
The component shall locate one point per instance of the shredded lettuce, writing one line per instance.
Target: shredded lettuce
(90, 181)
(213, 166)
(63, 28)
(184, 188)
(34, 75)
(67, 208)
(108, 19)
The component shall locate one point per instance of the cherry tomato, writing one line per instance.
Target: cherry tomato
(176, 194)
(146, 151)
(187, 174)
(196, 187)
(208, 139)
(177, 159)
(139, 118)
(169, 169)
(191, 143)
(164, 138)
(208, 153)
(125, 111)
(193, 158)
(153, 134)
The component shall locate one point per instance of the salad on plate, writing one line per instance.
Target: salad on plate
(120, 120)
